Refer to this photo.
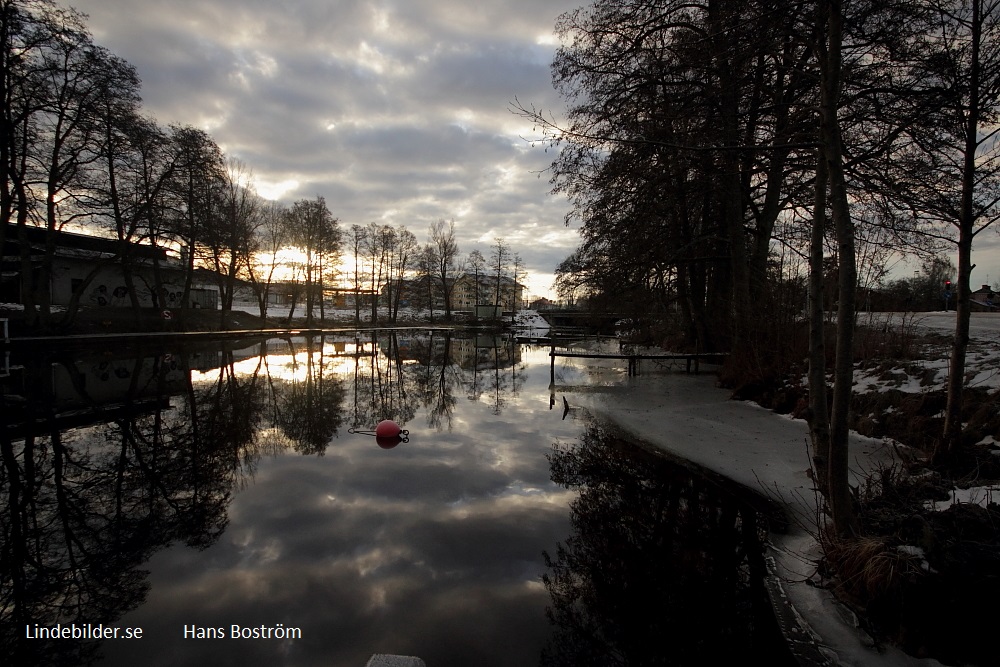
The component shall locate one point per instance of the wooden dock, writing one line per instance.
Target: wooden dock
(634, 359)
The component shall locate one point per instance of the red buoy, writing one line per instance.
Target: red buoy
(388, 443)
(387, 429)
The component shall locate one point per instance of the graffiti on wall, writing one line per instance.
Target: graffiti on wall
(170, 298)
(103, 370)
(106, 295)
(102, 295)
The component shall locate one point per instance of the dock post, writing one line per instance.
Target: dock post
(633, 365)
(552, 365)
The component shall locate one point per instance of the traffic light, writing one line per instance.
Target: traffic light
(947, 286)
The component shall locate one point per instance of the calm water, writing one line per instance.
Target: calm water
(187, 491)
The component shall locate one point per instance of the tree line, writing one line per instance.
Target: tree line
(79, 153)
(706, 141)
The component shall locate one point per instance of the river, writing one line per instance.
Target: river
(225, 504)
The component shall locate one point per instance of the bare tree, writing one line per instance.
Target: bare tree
(378, 243)
(679, 186)
(446, 250)
(129, 191)
(272, 236)
(427, 263)
(199, 169)
(357, 241)
(477, 263)
(518, 274)
(314, 230)
(403, 251)
(500, 257)
(949, 174)
(231, 239)
(56, 86)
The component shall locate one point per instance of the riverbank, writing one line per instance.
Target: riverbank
(95, 321)
(690, 417)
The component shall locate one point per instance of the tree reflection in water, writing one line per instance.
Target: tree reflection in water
(108, 458)
(663, 566)
(310, 408)
(85, 507)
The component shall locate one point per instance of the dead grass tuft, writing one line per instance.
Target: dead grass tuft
(869, 569)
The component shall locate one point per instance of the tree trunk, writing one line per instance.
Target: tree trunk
(374, 294)
(291, 309)
(447, 295)
(309, 287)
(128, 274)
(952, 435)
(839, 498)
(819, 415)
(322, 299)
(722, 18)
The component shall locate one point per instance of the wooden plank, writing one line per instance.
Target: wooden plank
(634, 359)
(587, 355)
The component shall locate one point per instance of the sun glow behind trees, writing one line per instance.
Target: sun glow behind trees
(83, 154)
(290, 261)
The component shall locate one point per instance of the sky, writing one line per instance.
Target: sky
(394, 111)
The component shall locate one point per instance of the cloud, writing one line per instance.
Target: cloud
(433, 548)
(394, 111)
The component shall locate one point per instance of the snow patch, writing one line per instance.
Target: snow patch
(974, 495)
(530, 320)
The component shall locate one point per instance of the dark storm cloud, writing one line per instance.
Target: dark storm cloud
(394, 111)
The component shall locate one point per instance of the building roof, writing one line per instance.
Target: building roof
(69, 243)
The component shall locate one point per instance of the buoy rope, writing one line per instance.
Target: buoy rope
(403, 433)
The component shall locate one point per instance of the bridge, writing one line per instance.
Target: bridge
(580, 319)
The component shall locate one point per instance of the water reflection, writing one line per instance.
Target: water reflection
(219, 485)
(111, 460)
(308, 405)
(663, 567)
(86, 506)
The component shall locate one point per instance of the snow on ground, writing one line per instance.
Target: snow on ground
(525, 320)
(406, 314)
(985, 326)
(975, 495)
(532, 322)
(688, 416)
(691, 418)
(929, 372)
(19, 307)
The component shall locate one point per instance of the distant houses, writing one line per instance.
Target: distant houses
(984, 298)
(92, 268)
(426, 291)
(284, 293)
(465, 295)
